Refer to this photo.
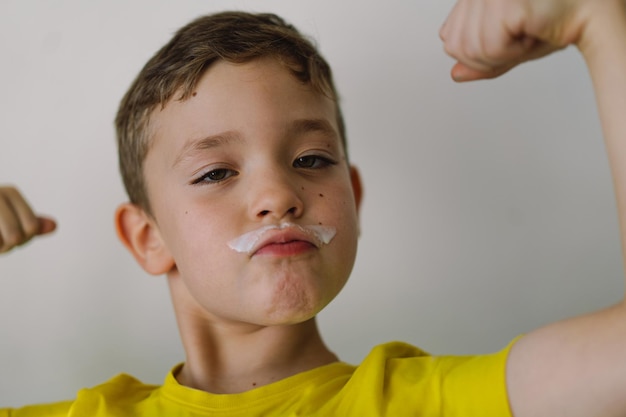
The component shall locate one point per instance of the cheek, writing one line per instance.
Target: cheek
(340, 208)
(197, 239)
(347, 224)
(336, 207)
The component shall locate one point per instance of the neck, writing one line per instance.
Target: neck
(225, 358)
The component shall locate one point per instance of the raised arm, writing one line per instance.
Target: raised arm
(575, 367)
(18, 223)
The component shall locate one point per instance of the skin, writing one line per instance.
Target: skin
(571, 368)
(252, 147)
(576, 367)
(18, 223)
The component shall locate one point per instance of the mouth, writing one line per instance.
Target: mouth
(283, 239)
(288, 248)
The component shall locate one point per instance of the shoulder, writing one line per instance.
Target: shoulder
(115, 397)
(60, 409)
(118, 396)
(122, 385)
(411, 379)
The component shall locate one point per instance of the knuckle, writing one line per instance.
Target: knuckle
(30, 227)
(475, 50)
(4, 248)
(491, 52)
(13, 237)
(8, 189)
(473, 55)
(443, 32)
(448, 49)
(452, 48)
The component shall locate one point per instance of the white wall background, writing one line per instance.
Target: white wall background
(488, 207)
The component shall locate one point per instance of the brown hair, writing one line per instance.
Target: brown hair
(235, 37)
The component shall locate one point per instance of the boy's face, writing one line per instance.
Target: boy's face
(252, 147)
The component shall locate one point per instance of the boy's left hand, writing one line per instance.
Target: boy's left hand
(574, 367)
(489, 37)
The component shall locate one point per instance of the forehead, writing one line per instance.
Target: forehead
(253, 99)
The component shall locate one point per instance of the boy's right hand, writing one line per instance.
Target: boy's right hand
(18, 223)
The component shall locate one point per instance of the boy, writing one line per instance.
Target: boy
(242, 194)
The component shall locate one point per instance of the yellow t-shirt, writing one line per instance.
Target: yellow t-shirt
(395, 379)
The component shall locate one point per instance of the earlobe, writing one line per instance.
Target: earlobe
(140, 235)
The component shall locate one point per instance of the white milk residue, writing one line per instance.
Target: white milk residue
(245, 243)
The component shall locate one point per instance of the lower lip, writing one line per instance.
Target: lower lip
(296, 247)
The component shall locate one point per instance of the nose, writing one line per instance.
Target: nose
(274, 195)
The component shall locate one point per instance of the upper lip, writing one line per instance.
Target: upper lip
(290, 234)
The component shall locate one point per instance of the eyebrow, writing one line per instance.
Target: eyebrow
(303, 126)
(296, 128)
(213, 141)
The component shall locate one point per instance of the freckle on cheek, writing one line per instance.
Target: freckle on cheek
(195, 93)
(321, 195)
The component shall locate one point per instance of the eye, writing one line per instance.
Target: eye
(312, 162)
(215, 176)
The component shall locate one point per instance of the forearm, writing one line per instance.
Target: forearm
(603, 45)
(577, 367)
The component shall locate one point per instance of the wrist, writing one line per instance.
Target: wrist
(602, 23)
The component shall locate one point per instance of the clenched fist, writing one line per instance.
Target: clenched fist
(18, 223)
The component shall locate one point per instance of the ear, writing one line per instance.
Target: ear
(357, 187)
(140, 234)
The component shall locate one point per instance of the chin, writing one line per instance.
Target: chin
(294, 309)
(290, 312)
(297, 297)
